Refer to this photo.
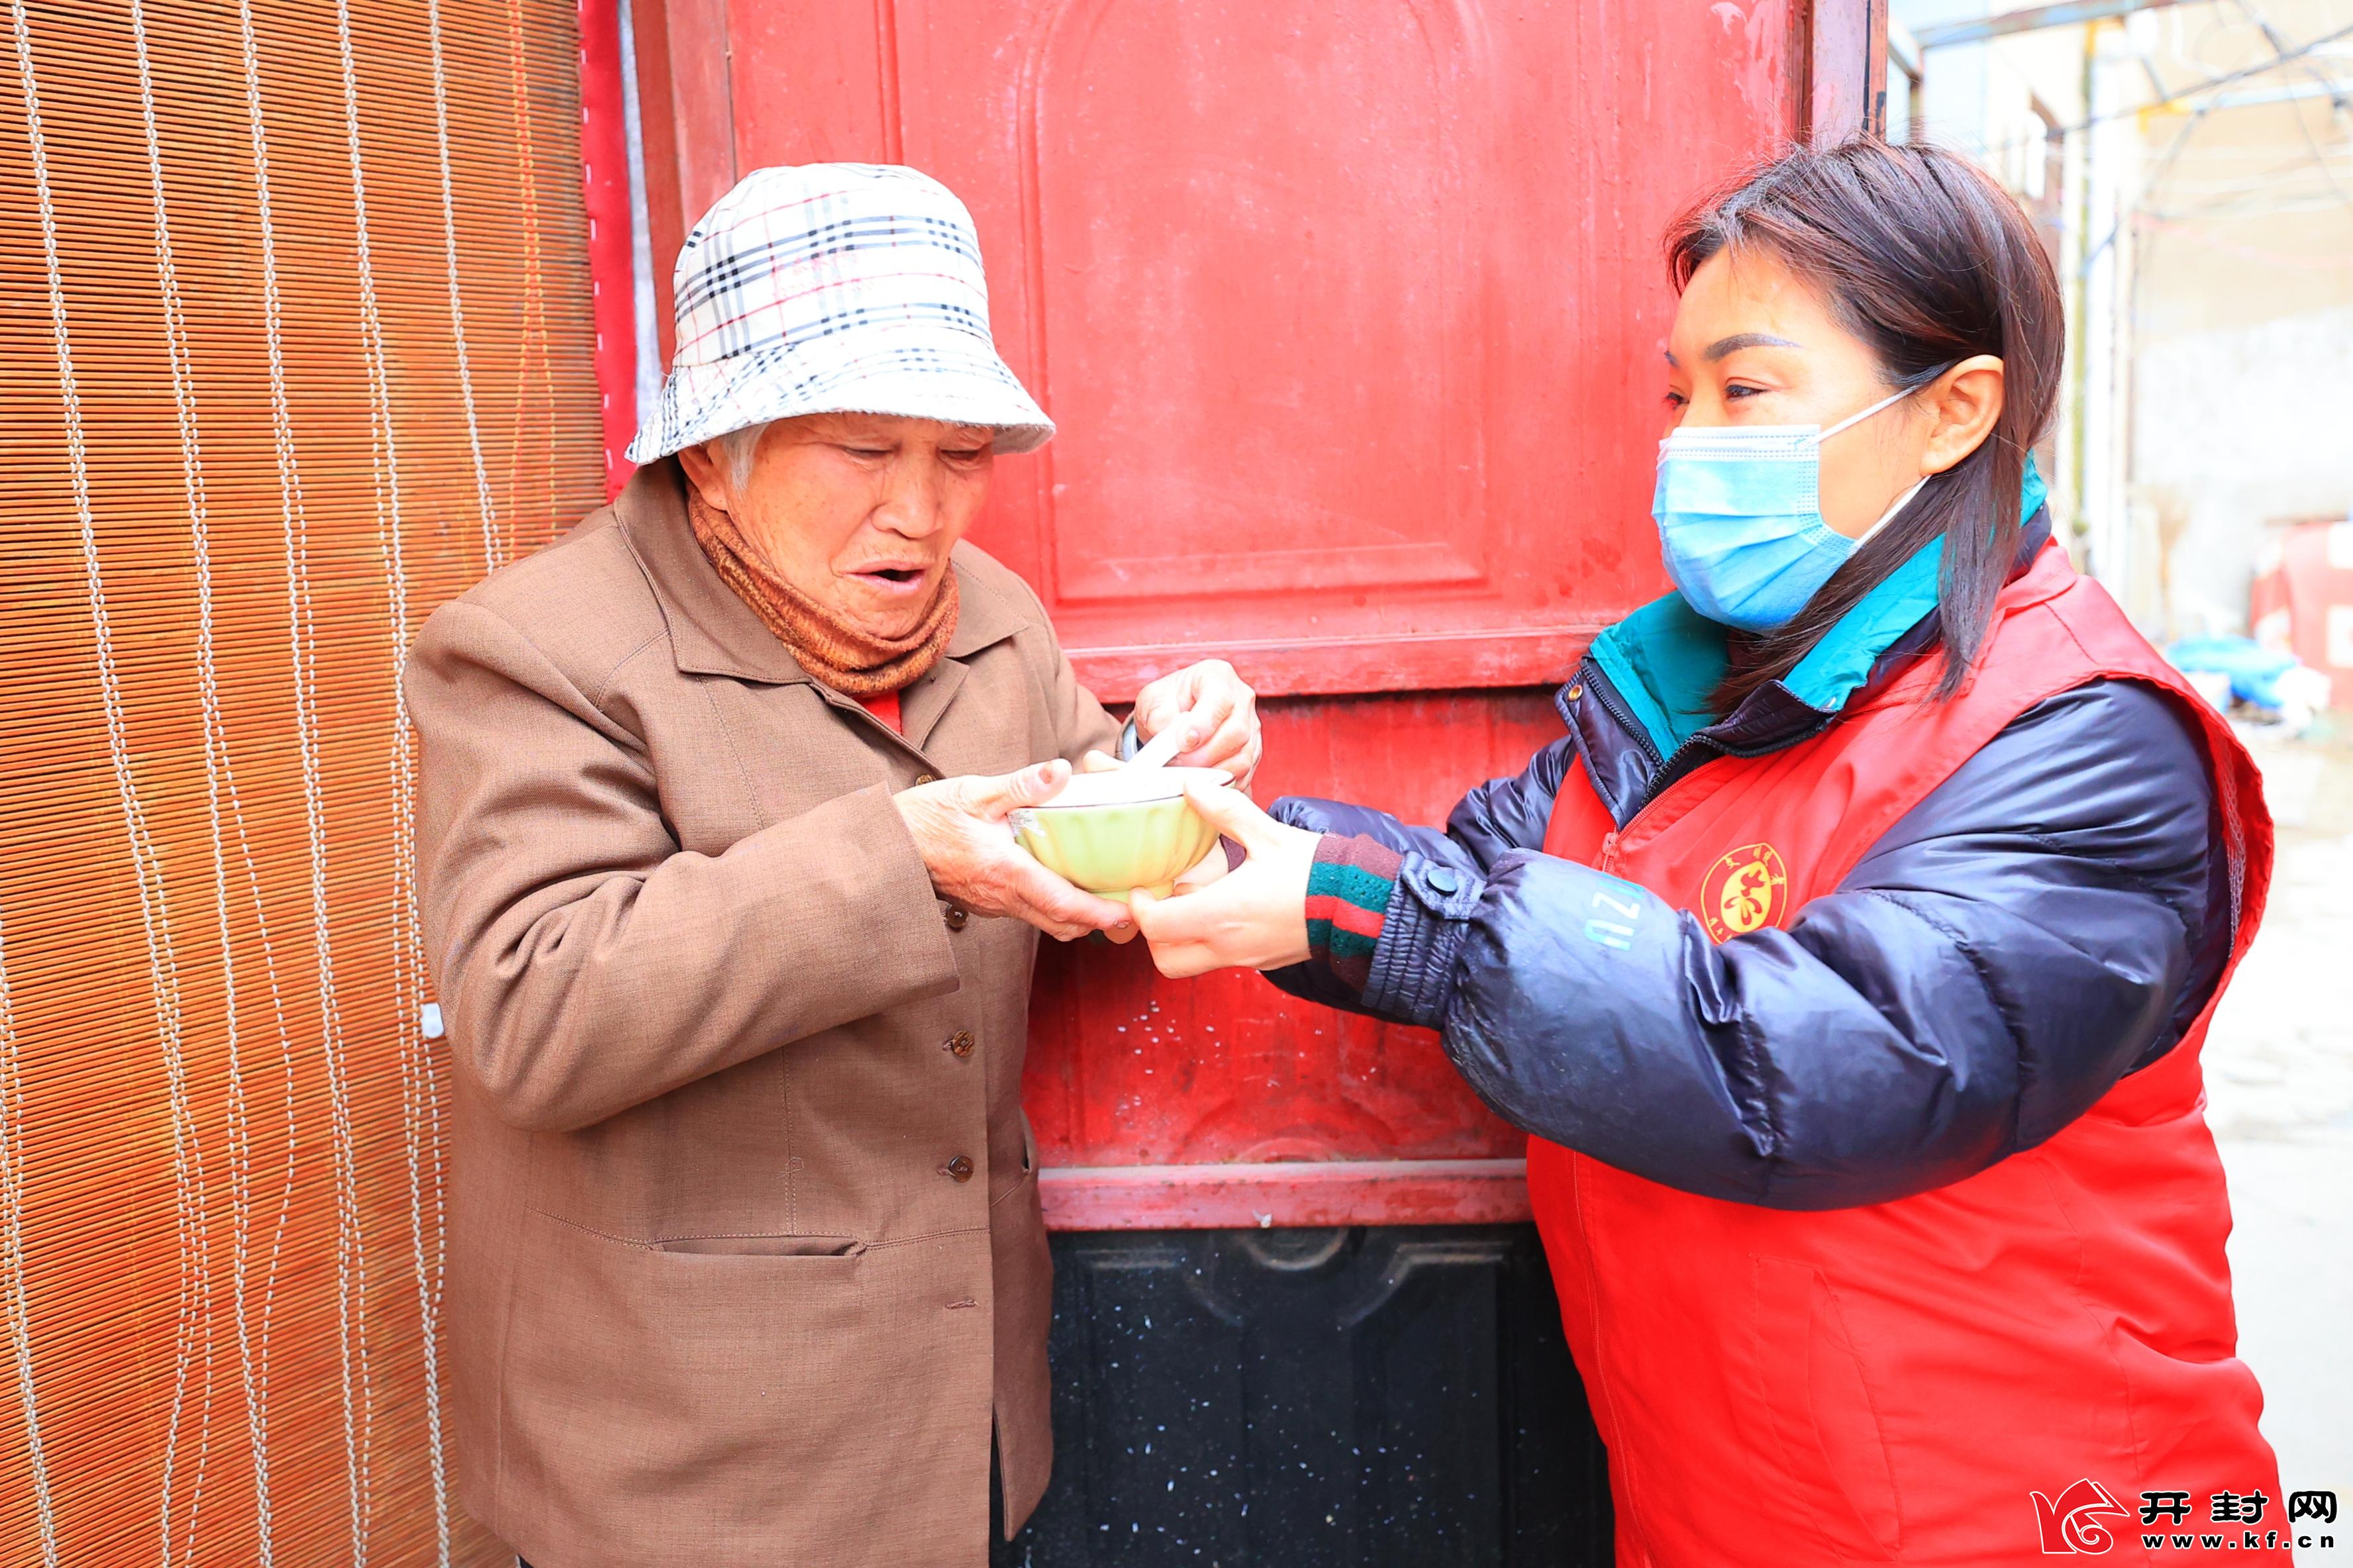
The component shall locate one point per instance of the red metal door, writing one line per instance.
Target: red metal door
(1350, 314)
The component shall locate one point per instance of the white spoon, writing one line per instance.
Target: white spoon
(1157, 752)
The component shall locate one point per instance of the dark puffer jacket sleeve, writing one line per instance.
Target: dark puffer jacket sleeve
(1499, 815)
(2049, 919)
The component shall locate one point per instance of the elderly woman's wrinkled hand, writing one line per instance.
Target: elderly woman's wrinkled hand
(960, 828)
(1219, 709)
(1252, 917)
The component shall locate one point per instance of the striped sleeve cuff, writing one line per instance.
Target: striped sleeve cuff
(1348, 892)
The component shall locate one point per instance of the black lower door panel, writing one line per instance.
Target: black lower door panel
(1371, 1395)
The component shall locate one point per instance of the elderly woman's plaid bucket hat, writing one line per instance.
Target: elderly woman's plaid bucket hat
(833, 288)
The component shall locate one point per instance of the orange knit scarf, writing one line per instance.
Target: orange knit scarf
(843, 656)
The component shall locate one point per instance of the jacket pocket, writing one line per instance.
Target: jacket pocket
(653, 1395)
(847, 1248)
(1819, 1411)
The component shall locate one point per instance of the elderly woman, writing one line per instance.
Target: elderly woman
(746, 1259)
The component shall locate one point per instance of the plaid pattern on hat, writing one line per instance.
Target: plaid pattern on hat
(833, 288)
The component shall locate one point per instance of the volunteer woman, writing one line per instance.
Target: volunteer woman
(1848, 959)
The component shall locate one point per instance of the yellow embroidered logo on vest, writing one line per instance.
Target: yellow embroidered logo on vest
(1746, 890)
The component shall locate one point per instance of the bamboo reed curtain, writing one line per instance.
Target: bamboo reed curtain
(294, 343)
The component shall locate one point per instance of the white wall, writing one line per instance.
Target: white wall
(2235, 426)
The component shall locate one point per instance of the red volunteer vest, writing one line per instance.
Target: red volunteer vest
(1895, 1383)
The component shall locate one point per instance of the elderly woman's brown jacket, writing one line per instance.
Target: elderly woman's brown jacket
(744, 1246)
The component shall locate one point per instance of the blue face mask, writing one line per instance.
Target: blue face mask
(1739, 510)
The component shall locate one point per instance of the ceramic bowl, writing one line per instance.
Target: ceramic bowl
(1123, 828)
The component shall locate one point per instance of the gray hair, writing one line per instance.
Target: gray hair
(739, 446)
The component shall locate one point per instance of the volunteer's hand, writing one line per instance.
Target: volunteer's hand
(960, 828)
(1219, 712)
(1254, 917)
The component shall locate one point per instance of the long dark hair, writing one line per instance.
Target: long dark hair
(1928, 261)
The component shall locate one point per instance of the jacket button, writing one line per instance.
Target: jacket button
(960, 1043)
(1443, 880)
(927, 778)
(955, 915)
(1574, 693)
(960, 1168)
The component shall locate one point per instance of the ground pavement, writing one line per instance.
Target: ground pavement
(2280, 1095)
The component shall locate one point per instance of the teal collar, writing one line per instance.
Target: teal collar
(1665, 658)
